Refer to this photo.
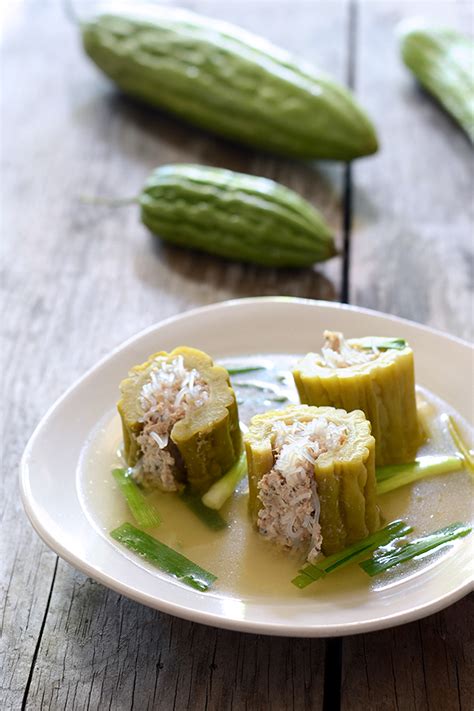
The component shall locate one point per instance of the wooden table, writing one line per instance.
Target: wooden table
(79, 279)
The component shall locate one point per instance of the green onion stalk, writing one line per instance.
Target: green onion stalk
(395, 476)
(384, 560)
(216, 496)
(163, 557)
(352, 554)
(143, 510)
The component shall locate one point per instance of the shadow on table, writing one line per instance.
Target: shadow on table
(149, 137)
(236, 278)
(436, 116)
(156, 138)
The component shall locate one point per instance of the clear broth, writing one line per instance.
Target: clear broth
(248, 566)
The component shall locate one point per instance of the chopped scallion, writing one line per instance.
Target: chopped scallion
(216, 496)
(382, 344)
(163, 557)
(245, 369)
(426, 414)
(379, 563)
(210, 517)
(143, 510)
(312, 572)
(396, 475)
(460, 442)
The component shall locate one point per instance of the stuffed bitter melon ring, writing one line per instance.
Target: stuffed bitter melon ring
(379, 380)
(180, 420)
(312, 478)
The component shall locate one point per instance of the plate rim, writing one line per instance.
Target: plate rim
(204, 617)
(251, 627)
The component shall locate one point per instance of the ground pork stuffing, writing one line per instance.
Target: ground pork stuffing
(171, 392)
(288, 492)
(337, 353)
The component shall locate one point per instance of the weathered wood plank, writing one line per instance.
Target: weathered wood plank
(412, 241)
(424, 665)
(79, 280)
(411, 246)
(103, 651)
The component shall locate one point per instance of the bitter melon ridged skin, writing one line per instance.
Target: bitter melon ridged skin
(208, 441)
(233, 215)
(345, 481)
(384, 389)
(228, 81)
(443, 62)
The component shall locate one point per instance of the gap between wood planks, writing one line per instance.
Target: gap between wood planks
(40, 637)
(347, 219)
(333, 646)
(333, 656)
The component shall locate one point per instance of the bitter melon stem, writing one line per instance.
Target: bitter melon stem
(109, 202)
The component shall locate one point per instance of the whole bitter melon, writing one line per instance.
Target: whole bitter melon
(228, 81)
(443, 62)
(233, 215)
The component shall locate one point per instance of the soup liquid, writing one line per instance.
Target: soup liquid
(247, 566)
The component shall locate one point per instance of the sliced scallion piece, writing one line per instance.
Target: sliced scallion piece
(383, 344)
(143, 510)
(163, 557)
(216, 496)
(210, 517)
(312, 572)
(396, 475)
(459, 441)
(426, 414)
(394, 556)
(245, 369)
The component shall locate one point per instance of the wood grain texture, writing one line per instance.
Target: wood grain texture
(412, 239)
(101, 651)
(77, 280)
(411, 254)
(421, 666)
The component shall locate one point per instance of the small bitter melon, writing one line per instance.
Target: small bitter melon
(234, 215)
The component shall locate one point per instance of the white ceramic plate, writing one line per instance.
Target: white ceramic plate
(49, 469)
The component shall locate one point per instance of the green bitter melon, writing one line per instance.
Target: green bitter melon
(205, 443)
(230, 82)
(344, 477)
(234, 215)
(380, 382)
(443, 62)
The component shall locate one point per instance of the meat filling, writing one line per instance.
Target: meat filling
(290, 512)
(171, 393)
(338, 353)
